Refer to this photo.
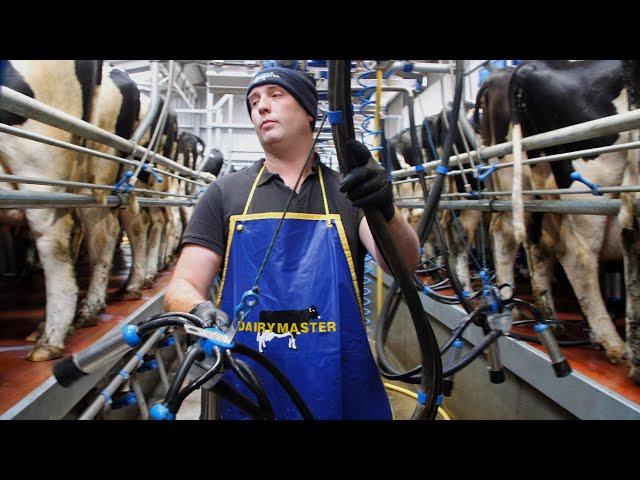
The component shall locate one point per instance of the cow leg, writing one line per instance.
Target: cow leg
(504, 247)
(103, 226)
(540, 264)
(77, 234)
(137, 226)
(631, 247)
(468, 222)
(153, 245)
(52, 231)
(581, 266)
(631, 252)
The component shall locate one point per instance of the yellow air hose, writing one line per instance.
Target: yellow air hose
(441, 411)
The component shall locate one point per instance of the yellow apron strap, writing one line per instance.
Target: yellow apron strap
(253, 189)
(324, 196)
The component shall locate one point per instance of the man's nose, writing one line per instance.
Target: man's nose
(263, 105)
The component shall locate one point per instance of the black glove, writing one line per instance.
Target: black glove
(211, 315)
(368, 184)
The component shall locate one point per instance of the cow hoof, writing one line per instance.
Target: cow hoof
(36, 334)
(86, 320)
(617, 357)
(148, 283)
(634, 373)
(44, 353)
(129, 295)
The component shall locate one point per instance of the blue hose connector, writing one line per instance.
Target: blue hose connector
(161, 412)
(130, 335)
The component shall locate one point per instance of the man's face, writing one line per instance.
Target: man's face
(276, 115)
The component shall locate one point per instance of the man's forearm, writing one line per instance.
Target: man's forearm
(406, 241)
(181, 296)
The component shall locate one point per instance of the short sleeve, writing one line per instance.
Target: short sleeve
(206, 226)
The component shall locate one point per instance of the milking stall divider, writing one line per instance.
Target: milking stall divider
(576, 392)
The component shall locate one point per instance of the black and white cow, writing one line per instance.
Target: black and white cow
(69, 86)
(547, 95)
(284, 317)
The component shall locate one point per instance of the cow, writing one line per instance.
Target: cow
(284, 317)
(493, 100)
(188, 154)
(460, 233)
(215, 162)
(547, 95)
(401, 155)
(69, 86)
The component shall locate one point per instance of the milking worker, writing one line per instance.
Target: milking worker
(316, 265)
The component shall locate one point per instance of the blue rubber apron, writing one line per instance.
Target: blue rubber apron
(309, 317)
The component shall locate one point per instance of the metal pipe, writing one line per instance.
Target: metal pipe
(93, 186)
(609, 207)
(582, 131)
(144, 125)
(19, 199)
(423, 67)
(549, 158)
(36, 137)
(25, 106)
(558, 191)
(159, 128)
(113, 386)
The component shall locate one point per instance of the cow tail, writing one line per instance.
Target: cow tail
(517, 202)
(476, 112)
(195, 159)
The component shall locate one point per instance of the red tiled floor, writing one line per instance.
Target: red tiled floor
(22, 309)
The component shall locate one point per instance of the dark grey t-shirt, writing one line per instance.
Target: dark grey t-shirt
(209, 224)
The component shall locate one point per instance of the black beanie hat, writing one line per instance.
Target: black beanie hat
(299, 85)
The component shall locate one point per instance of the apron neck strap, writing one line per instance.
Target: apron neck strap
(324, 193)
(253, 189)
(257, 180)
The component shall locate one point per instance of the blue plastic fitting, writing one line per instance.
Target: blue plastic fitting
(458, 343)
(540, 327)
(419, 168)
(593, 186)
(442, 170)
(148, 365)
(167, 342)
(161, 412)
(208, 344)
(407, 67)
(439, 400)
(426, 289)
(130, 335)
(123, 374)
(489, 170)
(128, 399)
(250, 298)
(422, 397)
(107, 397)
(123, 183)
(335, 117)
(157, 176)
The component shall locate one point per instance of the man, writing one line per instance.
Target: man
(308, 320)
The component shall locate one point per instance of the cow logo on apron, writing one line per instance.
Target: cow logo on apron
(309, 319)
